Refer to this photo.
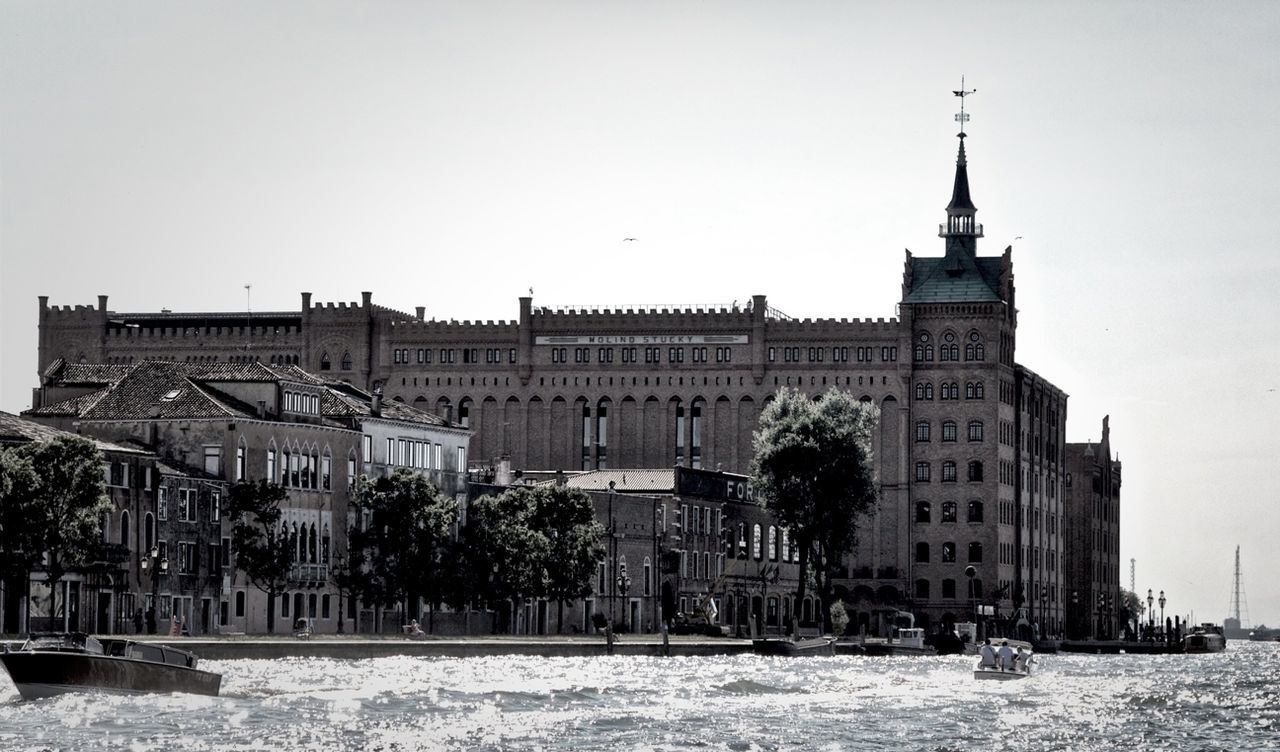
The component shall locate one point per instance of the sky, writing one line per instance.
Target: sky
(455, 155)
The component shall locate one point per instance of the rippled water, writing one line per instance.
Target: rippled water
(1228, 701)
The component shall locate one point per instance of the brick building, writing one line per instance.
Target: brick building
(1092, 533)
(968, 453)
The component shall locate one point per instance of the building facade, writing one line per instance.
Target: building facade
(968, 452)
(209, 425)
(1092, 530)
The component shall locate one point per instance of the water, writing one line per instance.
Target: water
(1227, 701)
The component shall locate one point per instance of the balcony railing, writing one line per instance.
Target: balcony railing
(315, 573)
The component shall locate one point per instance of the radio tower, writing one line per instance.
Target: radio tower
(1237, 598)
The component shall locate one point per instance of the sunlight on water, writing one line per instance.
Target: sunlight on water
(1229, 701)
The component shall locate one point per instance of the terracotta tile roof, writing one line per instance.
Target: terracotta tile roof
(15, 429)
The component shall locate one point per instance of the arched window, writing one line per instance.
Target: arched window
(948, 430)
(757, 548)
(922, 430)
(124, 528)
(975, 552)
(948, 552)
(975, 470)
(325, 364)
(975, 511)
(948, 511)
(948, 471)
(922, 553)
(922, 511)
(773, 543)
(922, 589)
(975, 430)
(948, 588)
(149, 532)
(919, 390)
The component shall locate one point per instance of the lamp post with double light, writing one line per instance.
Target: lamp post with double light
(624, 585)
(1151, 614)
(156, 566)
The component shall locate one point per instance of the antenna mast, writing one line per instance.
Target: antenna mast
(1236, 599)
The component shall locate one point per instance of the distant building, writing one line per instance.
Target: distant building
(968, 454)
(1092, 540)
(232, 422)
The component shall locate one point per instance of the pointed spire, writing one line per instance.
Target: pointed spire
(961, 231)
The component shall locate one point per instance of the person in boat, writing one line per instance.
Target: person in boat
(1005, 654)
(988, 654)
(1020, 660)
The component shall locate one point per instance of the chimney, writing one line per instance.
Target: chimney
(376, 407)
(262, 409)
(448, 413)
(422, 313)
(504, 472)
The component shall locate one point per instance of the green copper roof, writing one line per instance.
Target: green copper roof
(955, 278)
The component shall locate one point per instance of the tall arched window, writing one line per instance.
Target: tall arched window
(922, 552)
(346, 361)
(975, 552)
(124, 528)
(948, 552)
(325, 365)
(757, 548)
(922, 589)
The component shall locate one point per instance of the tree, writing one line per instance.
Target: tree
(566, 518)
(398, 544)
(811, 465)
(259, 540)
(54, 499)
(500, 552)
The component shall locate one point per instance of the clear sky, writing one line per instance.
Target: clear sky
(456, 154)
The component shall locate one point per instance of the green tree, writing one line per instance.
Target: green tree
(566, 518)
(20, 546)
(260, 541)
(53, 511)
(811, 465)
(501, 552)
(398, 544)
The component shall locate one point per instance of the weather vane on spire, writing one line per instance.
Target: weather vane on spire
(961, 116)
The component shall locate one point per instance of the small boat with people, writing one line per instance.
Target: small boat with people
(53, 663)
(1206, 638)
(1001, 662)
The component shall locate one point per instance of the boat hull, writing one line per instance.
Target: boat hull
(39, 674)
(995, 674)
(816, 646)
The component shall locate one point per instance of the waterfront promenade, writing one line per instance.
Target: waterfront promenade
(231, 647)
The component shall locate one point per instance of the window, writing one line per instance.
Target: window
(922, 472)
(325, 365)
(948, 430)
(162, 504)
(975, 470)
(773, 543)
(922, 511)
(215, 506)
(975, 552)
(922, 589)
(922, 553)
(975, 511)
(975, 430)
(756, 540)
(948, 552)
(948, 511)
(948, 588)
(240, 603)
(948, 471)
(922, 430)
(213, 460)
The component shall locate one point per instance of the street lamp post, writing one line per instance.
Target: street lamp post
(624, 584)
(1151, 614)
(158, 567)
(1163, 631)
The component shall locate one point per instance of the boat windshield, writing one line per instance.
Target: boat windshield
(71, 641)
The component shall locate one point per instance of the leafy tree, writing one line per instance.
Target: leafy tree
(501, 553)
(261, 543)
(811, 465)
(398, 544)
(566, 518)
(54, 499)
(19, 543)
